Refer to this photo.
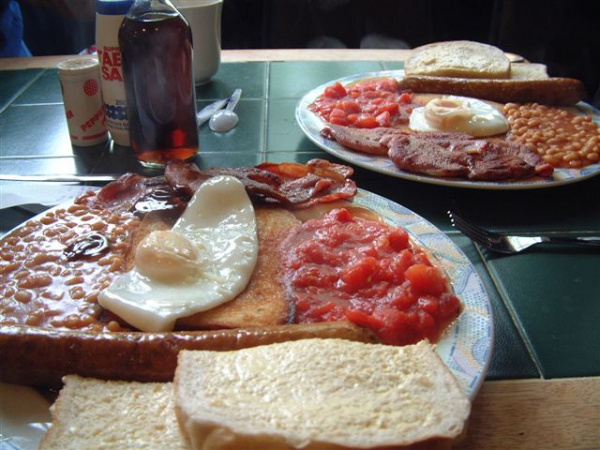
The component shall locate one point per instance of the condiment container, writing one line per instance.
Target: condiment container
(156, 45)
(204, 17)
(80, 86)
(109, 17)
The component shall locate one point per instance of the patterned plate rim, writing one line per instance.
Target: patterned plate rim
(466, 347)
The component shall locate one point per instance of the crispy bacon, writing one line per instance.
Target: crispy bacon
(131, 190)
(291, 185)
(318, 181)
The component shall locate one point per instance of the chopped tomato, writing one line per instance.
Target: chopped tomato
(325, 308)
(425, 279)
(358, 275)
(340, 267)
(392, 108)
(338, 117)
(429, 304)
(398, 239)
(427, 324)
(335, 91)
(399, 326)
(405, 98)
(366, 121)
(370, 97)
(349, 106)
(384, 119)
(449, 306)
(390, 85)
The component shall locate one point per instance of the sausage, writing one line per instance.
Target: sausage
(41, 357)
(548, 91)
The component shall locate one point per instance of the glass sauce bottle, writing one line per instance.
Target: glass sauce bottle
(156, 46)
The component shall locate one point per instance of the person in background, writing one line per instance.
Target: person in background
(11, 30)
(58, 27)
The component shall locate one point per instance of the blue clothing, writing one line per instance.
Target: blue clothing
(11, 32)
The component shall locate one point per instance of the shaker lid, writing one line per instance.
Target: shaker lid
(78, 66)
(113, 7)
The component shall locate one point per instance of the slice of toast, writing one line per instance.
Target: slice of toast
(320, 394)
(97, 414)
(528, 71)
(316, 394)
(263, 302)
(465, 59)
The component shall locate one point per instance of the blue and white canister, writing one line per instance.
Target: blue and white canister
(109, 16)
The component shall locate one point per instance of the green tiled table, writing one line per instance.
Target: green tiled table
(546, 302)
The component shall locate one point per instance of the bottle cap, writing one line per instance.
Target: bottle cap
(113, 7)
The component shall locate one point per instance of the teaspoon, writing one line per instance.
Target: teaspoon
(226, 119)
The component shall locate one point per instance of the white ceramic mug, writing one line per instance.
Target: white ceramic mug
(204, 17)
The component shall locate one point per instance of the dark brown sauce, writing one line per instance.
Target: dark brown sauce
(93, 244)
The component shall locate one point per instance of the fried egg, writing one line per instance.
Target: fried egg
(206, 259)
(459, 114)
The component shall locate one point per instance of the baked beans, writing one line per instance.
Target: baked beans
(563, 138)
(40, 286)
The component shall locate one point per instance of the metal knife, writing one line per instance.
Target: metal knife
(61, 178)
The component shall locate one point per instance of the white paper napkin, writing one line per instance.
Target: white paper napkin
(13, 193)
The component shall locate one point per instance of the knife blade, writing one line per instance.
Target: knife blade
(61, 178)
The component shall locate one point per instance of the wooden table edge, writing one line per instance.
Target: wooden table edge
(45, 62)
(534, 414)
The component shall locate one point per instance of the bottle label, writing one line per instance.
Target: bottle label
(111, 70)
(110, 61)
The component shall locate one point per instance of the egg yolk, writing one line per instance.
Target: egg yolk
(167, 257)
(459, 114)
(447, 114)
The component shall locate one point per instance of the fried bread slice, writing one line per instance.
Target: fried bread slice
(263, 302)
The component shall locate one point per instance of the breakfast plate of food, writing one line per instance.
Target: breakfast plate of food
(115, 285)
(511, 128)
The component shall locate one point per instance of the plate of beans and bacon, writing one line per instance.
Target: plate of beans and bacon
(371, 121)
(333, 261)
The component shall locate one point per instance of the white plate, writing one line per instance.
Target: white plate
(311, 124)
(24, 417)
(466, 347)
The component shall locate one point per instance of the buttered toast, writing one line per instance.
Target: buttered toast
(318, 394)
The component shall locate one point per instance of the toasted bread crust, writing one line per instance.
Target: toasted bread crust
(549, 91)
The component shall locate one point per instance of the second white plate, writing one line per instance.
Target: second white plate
(311, 124)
